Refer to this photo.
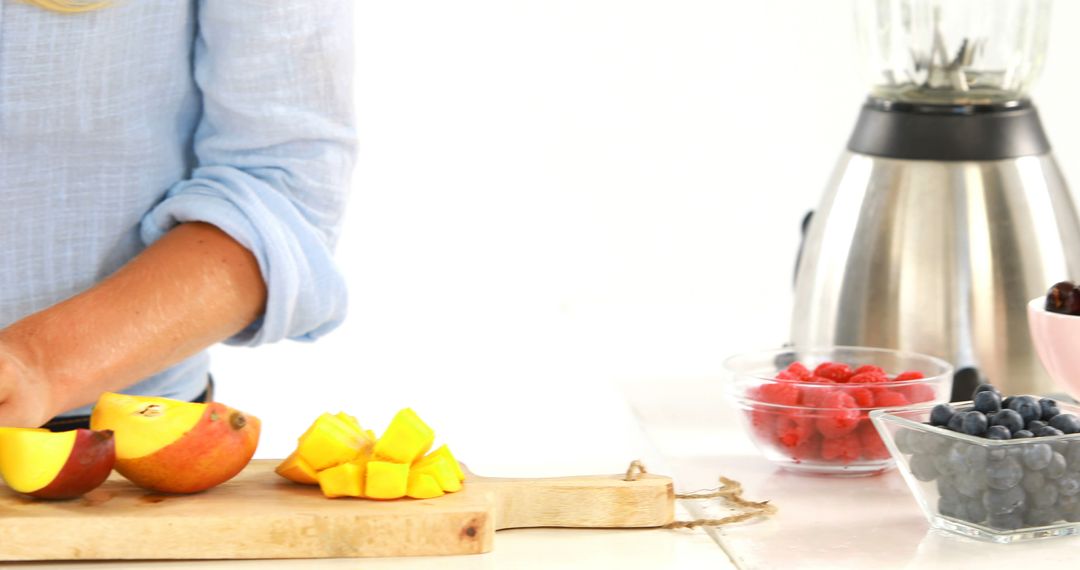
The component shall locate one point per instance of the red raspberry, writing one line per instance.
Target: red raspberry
(845, 449)
(762, 422)
(905, 376)
(841, 417)
(809, 449)
(889, 398)
(872, 446)
(792, 431)
(870, 369)
(780, 393)
(785, 375)
(820, 380)
(868, 378)
(799, 370)
(919, 393)
(812, 395)
(863, 397)
(835, 371)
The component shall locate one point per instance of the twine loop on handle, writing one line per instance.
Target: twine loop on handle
(730, 491)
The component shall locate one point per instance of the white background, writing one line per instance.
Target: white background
(555, 195)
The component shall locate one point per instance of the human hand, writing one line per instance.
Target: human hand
(26, 399)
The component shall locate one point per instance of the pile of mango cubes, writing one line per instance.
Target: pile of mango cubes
(345, 460)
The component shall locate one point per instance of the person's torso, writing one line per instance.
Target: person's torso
(97, 113)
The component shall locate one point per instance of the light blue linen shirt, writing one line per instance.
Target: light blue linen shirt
(117, 125)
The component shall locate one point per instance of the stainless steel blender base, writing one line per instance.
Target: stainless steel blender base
(938, 257)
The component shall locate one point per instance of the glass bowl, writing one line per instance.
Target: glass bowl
(822, 427)
(1000, 491)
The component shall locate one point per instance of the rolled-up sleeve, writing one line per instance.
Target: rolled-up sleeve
(274, 152)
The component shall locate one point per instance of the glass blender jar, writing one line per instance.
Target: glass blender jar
(952, 52)
(947, 212)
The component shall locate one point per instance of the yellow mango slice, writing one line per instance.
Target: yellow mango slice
(350, 420)
(405, 439)
(297, 470)
(345, 480)
(386, 480)
(440, 469)
(331, 441)
(444, 452)
(423, 486)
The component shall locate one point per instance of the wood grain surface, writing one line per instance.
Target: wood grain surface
(260, 515)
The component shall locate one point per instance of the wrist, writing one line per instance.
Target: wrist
(23, 360)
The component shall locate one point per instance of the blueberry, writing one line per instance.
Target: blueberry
(1041, 516)
(1069, 485)
(1049, 409)
(1008, 419)
(951, 462)
(1048, 432)
(950, 506)
(1011, 521)
(1035, 426)
(946, 487)
(971, 486)
(1006, 401)
(922, 467)
(926, 442)
(903, 441)
(975, 456)
(974, 511)
(987, 402)
(1021, 434)
(1045, 497)
(1056, 469)
(1027, 406)
(1004, 474)
(1072, 456)
(998, 432)
(999, 503)
(1033, 481)
(974, 423)
(941, 414)
(1037, 456)
(1067, 423)
(984, 388)
(955, 421)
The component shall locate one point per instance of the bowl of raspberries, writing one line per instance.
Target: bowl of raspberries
(998, 468)
(807, 409)
(1054, 321)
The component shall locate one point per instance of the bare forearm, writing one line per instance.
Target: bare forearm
(192, 288)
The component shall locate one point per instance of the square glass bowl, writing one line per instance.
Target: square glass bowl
(1000, 491)
(798, 426)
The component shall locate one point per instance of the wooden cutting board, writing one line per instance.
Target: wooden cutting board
(260, 515)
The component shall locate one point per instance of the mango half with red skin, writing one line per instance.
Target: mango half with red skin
(171, 446)
(62, 465)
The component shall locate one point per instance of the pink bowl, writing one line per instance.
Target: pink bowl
(1057, 341)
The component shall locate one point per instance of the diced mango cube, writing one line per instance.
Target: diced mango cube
(441, 470)
(405, 439)
(350, 420)
(444, 452)
(386, 480)
(331, 441)
(345, 480)
(297, 470)
(423, 486)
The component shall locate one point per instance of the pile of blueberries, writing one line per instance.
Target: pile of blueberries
(1028, 484)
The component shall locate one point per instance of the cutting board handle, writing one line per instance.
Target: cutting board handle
(601, 501)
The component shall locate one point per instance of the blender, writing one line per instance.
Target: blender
(947, 212)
